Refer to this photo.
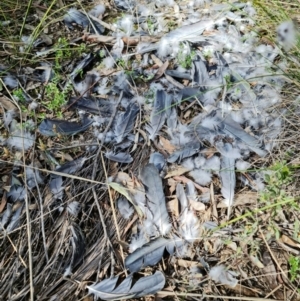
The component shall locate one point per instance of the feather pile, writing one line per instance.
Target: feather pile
(209, 65)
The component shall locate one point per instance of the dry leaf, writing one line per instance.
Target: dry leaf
(156, 60)
(198, 206)
(172, 183)
(7, 104)
(289, 241)
(3, 202)
(184, 180)
(167, 145)
(161, 70)
(188, 263)
(94, 38)
(172, 206)
(242, 199)
(133, 41)
(178, 171)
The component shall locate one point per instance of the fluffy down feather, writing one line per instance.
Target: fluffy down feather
(221, 275)
(202, 177)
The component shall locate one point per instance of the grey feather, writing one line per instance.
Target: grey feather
(158, 160)
(228, 179)
(199, 72)
(5, 217)
(56, 181)
(82, 19)
(158, 114)
(81, 65)
(119, 157)
(230, 127)
(91, 105)
(186, 151)
(181, 196)
(125, 209)
(54, 127)
(15, 219)
(16, 193)
(109, 290)
(125, 122)
(72, 166)
(56, 187)
(155, 198)
(179, 74)
(78, 249)
(33, 177)
(189, 32)
(151, 253)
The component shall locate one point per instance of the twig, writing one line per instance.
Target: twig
(113, 210)
(165, 293)
(15, 249)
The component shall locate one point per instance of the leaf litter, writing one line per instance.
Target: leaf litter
(123, 118)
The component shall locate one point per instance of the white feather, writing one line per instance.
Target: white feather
(202, 177)
(190, 227)
(212, 164)
(287, 35)
(199, 161)
(221, 275)
(97, 10)
(137, 241)
(191, 192)
(109, 62)
(127, 24)
(188, 164)
(74, 208)
(242, 165)
(20, 138)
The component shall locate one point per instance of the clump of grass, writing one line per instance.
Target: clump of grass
(294, 263)
(185, 59)
(55, 99)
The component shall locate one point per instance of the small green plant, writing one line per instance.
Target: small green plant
(294, 263)
(122, 63)
(150, 26)
(54, 98)
(185, 59)
(102, 53)
(18, 93)
(275, 192)
(64, 51)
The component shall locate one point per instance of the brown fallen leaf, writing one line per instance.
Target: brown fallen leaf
(95, 38)
(198, 206)
(156, 60)
(242, 199)
(167, 145)
(172, 206)
(172, 185)
(3, 201)
(7, 104)
(188, 263)
(178, 171)
(133, 41)
(289, 241)
(185, 180)
(174, 82)
(161, 70)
